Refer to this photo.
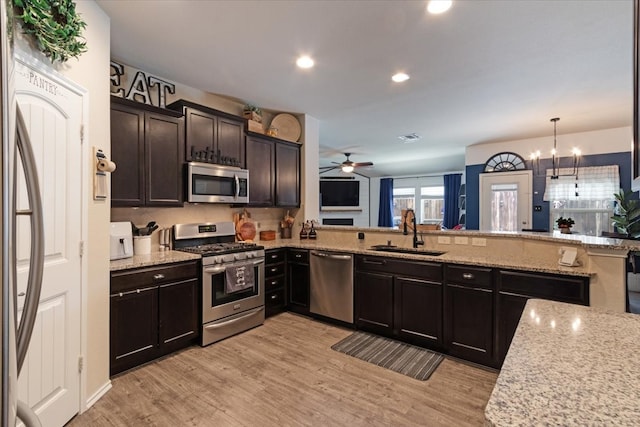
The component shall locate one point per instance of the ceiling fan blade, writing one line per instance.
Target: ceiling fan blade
(336, 163)
(362, 164)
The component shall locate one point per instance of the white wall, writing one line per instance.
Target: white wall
(310, 205)
(615, 140)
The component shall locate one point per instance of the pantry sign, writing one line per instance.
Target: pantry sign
(147, 90)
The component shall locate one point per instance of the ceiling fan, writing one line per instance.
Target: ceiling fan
(347, 166)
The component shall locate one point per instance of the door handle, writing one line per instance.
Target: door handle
(232, 321)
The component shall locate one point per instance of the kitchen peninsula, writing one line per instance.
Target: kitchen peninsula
(569, 365)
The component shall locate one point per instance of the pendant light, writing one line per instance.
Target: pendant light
(555, 158)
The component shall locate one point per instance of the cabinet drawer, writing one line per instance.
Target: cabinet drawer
(423, 270)
(276, 282)
(566, 289)
(300, 256)
(472, 276)
(273, 270)
(122, 281)
(274, 257)
(274, 302)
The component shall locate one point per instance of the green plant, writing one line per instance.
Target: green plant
(565, 222)
(626, 216)
(250, 107)
(55, 26)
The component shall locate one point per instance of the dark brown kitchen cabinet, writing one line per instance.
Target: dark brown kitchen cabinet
(211, 135)
(298, 280)
(154, 311)
(287, 174)
(469, 313)
(274, 171)
(147, 145)
(261, 163)
(516, 287)
(274, 281)
(400, 298)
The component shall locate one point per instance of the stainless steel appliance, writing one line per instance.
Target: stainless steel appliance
(232, 278)
(332, 285)
(16, 147)
(211, 183)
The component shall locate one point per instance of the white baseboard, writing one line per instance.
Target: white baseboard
(97, 395)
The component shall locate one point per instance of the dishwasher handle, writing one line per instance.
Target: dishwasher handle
(332, 256)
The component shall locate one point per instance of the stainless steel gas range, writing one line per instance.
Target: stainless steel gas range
(232, 278)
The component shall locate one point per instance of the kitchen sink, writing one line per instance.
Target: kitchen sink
(383, 248)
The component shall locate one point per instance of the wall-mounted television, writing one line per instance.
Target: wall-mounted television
(339, 194)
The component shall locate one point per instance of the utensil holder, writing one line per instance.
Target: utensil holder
(285, 233)
(141, 245)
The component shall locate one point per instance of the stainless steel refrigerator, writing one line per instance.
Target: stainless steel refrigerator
(16, 333)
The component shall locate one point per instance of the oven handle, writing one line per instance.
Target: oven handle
(237, 319)
(222, 268)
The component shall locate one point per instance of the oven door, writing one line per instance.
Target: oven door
(218, 302)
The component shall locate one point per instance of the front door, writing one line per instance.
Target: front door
(505, 201)
(50, 380)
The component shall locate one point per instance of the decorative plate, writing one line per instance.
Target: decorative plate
(288, 127)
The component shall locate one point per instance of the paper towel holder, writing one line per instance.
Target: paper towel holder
(102, 166)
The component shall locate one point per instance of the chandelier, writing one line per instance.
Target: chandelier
(555, 158)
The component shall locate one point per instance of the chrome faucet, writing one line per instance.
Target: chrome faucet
(405, 231)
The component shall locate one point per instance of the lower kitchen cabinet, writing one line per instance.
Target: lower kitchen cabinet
(274, 282)
(298, 280)
(399, 298)
(154, 311)
(516, 287)
(469, 313)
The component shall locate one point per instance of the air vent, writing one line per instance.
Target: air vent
(408, 139)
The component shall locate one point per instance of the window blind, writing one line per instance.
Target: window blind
(591, 183)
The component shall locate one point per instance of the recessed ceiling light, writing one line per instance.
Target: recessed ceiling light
(409, 138)
(305, 62)
(438, 6)
(400, 77)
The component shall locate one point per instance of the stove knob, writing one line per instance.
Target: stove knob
(238, 257)
(250, 255)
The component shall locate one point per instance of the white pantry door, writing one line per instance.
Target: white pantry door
(505, 201)
(50, 378)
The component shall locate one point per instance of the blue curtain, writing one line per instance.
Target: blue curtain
(451, 192)
(385, 213)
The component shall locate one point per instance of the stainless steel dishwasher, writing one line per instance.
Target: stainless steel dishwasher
(332, 285)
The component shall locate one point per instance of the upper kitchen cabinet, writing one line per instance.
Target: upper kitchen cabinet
(210, 135)
(274, 171)
(147, 144)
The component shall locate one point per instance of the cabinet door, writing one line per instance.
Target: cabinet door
(418, 311)
(127, 151)
(469, 323)
(200, 134)
(229, 142)
(260, 160)
(178, 314)
(164, 147)
(134, 328)
(374, 302)
(287, 175)
(510, 308)
(298, 278)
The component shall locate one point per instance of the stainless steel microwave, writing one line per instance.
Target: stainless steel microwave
(211, 183)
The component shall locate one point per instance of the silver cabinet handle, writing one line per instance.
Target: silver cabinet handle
(21, 294)
(381, 262)
(274, 296)
(34, 281)
(158, 276)
(468, 276)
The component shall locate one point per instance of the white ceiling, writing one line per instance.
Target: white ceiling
(485, 71)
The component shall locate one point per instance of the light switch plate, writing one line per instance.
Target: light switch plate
(478, 241)
(461, 240)
(444, 240)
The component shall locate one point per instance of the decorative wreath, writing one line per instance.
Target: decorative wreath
(55, 26)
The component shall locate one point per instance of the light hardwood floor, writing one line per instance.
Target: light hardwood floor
(284, 373)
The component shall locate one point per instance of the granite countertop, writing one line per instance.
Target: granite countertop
(154, 258)
(486, 260)
(569, 365)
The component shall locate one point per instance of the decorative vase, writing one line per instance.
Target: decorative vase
(565, 230)
(285, 233)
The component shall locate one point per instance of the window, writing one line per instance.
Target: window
(432, 204)
(403, 198)
(587, 199)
